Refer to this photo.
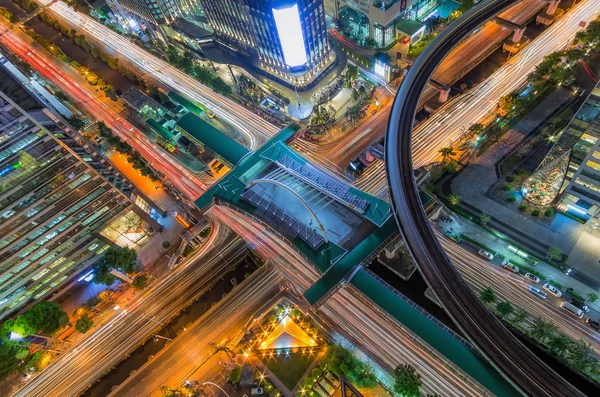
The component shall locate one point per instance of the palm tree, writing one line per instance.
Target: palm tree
(447, 153)
(504, 308)
(559, 344)
(474, 129)
(520, 315)
(554, 253)
(542, 329)
(592, 297)
(484, 218)
(582, 357)
(454, 199)
(488, 295)
(355, 95)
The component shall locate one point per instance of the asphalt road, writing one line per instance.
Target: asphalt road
(514, 288)
(102, 109)
(82, 364)
(346, 312)
(495, 342)
(223, 324)
(158, 71)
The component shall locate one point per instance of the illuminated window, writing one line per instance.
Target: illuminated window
(593, 164)
(589, 185)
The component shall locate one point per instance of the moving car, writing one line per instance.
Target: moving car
(593, 323)
(537, 292)
(510, 267)
(533, 277)
(573, 309)
(486, 254)
(553, 290)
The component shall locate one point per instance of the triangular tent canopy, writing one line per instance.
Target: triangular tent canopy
(287, 334)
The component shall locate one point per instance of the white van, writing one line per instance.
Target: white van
(573, 309)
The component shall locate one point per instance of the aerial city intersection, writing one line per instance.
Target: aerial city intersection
(300, 198)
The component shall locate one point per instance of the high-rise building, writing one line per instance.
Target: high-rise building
(571, 170)
(285, 37)
(582, 194)
(386, 20)
(156, 12)
(53, 205)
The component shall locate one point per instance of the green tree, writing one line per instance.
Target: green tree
(340, 361)
(76, 122)
(507, 103)
(121, 258)
(454, 199)
(466, 5)
(582, 357)
(235, 375)
(554, 253)
(542, 329)
(592, 297)
(484, 218)
(488, 295)
(451, 167)
(407, 381)
(559, 344)
(447, 153)
(140, 282)
(9, 361)
(84, 324)
(351, 75)
(103, 275)
(47, 317)
(474, 130)
(355, 95)
(520, 315)
(504, 308)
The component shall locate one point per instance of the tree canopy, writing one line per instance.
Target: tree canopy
(140, 282)
(341, 362)
(84, 324)
(407, 381)
(47, 317)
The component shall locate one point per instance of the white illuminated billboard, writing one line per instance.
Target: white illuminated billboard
(290, 35)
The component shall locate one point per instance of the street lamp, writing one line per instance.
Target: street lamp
(214, 384)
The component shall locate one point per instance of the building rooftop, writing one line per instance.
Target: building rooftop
(225, 147)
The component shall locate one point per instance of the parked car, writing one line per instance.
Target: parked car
(553, 290)
(510, 267)
(257, 390)
(486, 254)
(593, 323)
(537, 292)
(533, 277)
(580, 304)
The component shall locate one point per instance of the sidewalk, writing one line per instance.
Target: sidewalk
(496, 246)
(474, 182)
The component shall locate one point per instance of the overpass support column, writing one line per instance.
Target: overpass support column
(551, 13)
(552, 7)
(518, 35)
(444, 94)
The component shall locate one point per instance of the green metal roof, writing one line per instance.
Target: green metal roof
(335, 263)
(361, 253)
(408, 26)
(189, 105)
(433, 334)
(201, 131)
(159, 128)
